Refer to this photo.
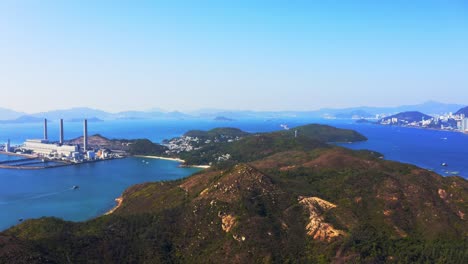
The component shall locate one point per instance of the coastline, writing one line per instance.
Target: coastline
(196, 166)
(119, 201)
(159, 157)
(424, 128)
(175, 159)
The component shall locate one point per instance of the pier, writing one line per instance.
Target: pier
(16, 161)
(31, 164)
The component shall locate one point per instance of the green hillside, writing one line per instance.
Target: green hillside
(217, 132)
(256, 146)
(325, 133)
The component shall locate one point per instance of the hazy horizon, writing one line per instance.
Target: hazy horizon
(214, 110)
(264, 56)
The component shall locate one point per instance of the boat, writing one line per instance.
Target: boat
(75, 187)
(444, 164)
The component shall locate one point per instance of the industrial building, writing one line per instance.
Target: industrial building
(46, 148)
(43, 147)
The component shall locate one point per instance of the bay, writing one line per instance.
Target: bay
(49, 192)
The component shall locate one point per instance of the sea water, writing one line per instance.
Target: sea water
(425, 148)
(31, 194)
(49, 192)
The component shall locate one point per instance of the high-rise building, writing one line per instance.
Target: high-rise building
(464, 125)
(7, 146)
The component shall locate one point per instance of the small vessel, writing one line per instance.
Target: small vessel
(444, 164)
(20, 220)
(75, 187)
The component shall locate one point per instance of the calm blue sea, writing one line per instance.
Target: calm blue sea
(36, 193)
(32, 194)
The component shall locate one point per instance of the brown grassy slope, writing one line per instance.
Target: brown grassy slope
(252, 212)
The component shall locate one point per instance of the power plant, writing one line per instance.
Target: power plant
(44, 153)
(46, 148)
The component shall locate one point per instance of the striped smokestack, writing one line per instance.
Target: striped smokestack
(85, 135)
(61, 131)
(45, 129)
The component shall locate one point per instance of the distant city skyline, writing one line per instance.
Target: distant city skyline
(242, 55)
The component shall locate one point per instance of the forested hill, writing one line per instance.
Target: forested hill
(217, 132)
(259, 145)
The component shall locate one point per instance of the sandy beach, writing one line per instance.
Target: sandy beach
(197, 166)
(175, 159)
(119, 201)
(158, 157)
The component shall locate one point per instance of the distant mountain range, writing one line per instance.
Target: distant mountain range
(22, 119)
(74, 114)
(9, 114)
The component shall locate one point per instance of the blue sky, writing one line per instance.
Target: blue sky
(258, 55)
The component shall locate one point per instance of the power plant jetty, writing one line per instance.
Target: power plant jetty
(43, 153)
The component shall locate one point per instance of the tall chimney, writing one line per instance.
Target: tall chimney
(45, 129)
(85, 135)
(61, 131)
(7, 146)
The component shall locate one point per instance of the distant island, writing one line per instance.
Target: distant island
(223, 118)
(91, 119)
(23, 119)
(34, 119)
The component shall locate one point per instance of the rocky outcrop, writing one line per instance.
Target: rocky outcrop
(317, 227)
(227, 221)
(442, 194)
